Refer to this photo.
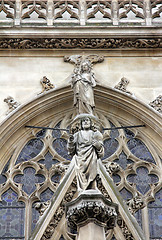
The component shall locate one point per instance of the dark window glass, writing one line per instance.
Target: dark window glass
(142, 179)
(126, 194)
(29, 179)
(31, 150)
(56, 133)
(116, 178)
(139, 149)
(138, 216)
(128, 133)
(12, 214)
(60, 146)
(41, 134)
(114, 133)
(48, 160)
(123, 161)
(45, 196)
(155, 216)
(110, 146)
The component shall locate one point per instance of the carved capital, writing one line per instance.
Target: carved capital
(91, 206)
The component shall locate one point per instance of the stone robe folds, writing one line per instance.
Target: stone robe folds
(86, 156)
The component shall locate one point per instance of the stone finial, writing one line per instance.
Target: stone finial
(46, 84)
(157, 104)
(122, 85)
(12, 104)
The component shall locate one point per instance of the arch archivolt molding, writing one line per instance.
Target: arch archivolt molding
(55, 107)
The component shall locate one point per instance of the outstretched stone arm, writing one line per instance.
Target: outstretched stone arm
(71, 146)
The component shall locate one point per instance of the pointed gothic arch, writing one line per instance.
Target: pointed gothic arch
(55, 106)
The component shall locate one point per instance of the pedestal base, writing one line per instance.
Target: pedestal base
(91, 231)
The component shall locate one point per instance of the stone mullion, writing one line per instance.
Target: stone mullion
(145, 222)
(83, 12)
(147, 6)
(18, 5)
(50, 13)
(114, 7)
(28, 218)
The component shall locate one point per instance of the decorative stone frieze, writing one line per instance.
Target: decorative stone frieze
(91, 206)
(157, 104)
(80, 43)
(122, 85)
(12, 104)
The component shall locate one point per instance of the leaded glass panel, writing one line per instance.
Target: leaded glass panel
(48, 160)
(29, 179)
(110, 146)
(126, 194)
(138, 216)
(142, 179)
(139, 149)
(56, 133)
(31, 150)
(60, 146)
(44, 196)
(155, 216)
(123, 161)
(113, 133)
(12, 216)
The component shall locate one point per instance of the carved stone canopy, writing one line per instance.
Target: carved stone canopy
(91, 206)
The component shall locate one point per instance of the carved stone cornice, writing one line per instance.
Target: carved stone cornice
(80, 43)
(91, 206)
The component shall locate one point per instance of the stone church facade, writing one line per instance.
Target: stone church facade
(38, 42)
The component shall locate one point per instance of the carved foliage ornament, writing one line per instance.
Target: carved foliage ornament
(69, 43)
(12, 104)
(157, 104)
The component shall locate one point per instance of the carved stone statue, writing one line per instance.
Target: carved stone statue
(122, 85)
(82, 83)
(86, 147)
(46, 84)
(12, 104)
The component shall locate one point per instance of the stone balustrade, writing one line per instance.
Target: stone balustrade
(80, 13)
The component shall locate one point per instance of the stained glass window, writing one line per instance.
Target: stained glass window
(139, 149)
(155, 216)
(110, 146)
(142, 179)
(48, 160)
(29, 179)
(31, 150)
(60, 146)
(45, 196)
(126, 194)
(123, 161)
(12, 215)
(138, 216)
(56, 133)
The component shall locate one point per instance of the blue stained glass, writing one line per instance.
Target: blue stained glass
(126, 194)
(41, 134)
(60, 146)
(142, 179)
(138, 216)
(48, 161)
(45, 196)
(29, 179)
(129, 134)
(31, 150)
(123, 161)
(116, 178)
(56, 133)
(139, 149)
(12, 214)
(2, 179)
(110, 146)
(155, 216)
(114, 133)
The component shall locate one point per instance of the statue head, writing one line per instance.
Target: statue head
(85, 66)
(86, 123)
